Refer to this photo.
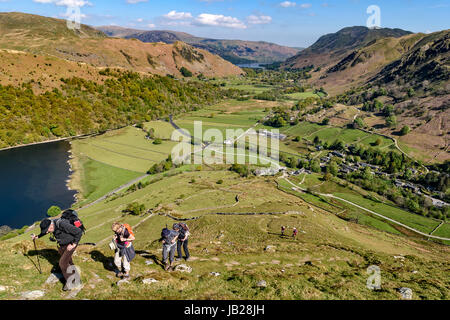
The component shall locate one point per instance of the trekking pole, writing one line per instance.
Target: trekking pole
(39, 263)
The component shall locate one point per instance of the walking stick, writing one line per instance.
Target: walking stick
(39, 263)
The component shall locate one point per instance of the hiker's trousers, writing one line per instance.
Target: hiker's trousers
(66, 261)
(169, 252)
(183, 244)
(120, 261)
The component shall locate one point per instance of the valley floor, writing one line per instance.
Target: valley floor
(235, 224)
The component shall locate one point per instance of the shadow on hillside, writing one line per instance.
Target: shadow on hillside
(148, 255)
(108, 262)
(51, 255)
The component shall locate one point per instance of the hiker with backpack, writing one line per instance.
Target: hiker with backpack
(169, 239)
(183, 241)
(294, 233)
(67, 231)
(124, 250)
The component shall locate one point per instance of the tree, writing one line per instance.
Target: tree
(185, 72)
(359, 123)
(135, 209)
(54, 211)
(405, 130)
(325, 121)
(333, 168)
(391, 121)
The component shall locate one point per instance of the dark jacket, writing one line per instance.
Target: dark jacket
(66, 233)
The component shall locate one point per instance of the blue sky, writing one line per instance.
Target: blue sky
(292, 23)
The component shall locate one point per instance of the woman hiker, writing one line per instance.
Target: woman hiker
(123, 242)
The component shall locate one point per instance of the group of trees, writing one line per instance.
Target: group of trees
(416, 203)
(82, 107)
(164, 166)
(280, 118)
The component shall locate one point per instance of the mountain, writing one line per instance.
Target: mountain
(235, 51)
(333, 47)
(50, 37)
(427, 60)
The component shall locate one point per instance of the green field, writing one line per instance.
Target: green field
(413, 220)
(98, 179)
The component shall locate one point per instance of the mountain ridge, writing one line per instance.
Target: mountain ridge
(235, 51)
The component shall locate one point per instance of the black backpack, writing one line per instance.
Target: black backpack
(166, 235)
(184, 226)
(72, 216)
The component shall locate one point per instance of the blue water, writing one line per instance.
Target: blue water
(252, 65)
(32, 179)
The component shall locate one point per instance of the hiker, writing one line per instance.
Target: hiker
(283, 229)
(67, 231)
(124, 250)
(294, 233)
(183, 231)
(169, 240)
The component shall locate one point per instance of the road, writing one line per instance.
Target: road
(128, 184)
(295, 187)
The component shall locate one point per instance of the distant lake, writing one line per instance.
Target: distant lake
(252, 65)
(32, 179)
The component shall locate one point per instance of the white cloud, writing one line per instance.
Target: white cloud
(151, 25)
(174, 15)
(219, 20)
(306, 5)
(261, 19)
(140, 20)
(67, 3)
(288, 4)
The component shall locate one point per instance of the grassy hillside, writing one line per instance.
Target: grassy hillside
(334, 46)
(47, 36)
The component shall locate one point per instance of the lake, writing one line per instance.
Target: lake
(32, 179)
(252, 65)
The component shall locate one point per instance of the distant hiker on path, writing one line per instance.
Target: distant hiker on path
(283, 229)
(183, 241)
(169, 240)
(124, 250)
(68, 231)
(294, 233)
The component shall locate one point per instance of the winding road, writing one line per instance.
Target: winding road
(296, 187)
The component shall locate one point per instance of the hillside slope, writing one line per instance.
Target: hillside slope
(235, 51)
(333, 47)
(47, 36)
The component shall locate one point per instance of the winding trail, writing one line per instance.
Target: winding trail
(128, 184)
(295, 187)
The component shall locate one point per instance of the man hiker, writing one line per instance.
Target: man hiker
(67, 236)
(183, 231)
(283, 229)
(169, 240)
(124, 250)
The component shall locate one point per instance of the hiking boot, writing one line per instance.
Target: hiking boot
(166, 267)
(66, 288)
(126, 276)
(119, 274)
(178, 259)
(188, 259)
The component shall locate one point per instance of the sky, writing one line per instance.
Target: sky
(292, 23)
